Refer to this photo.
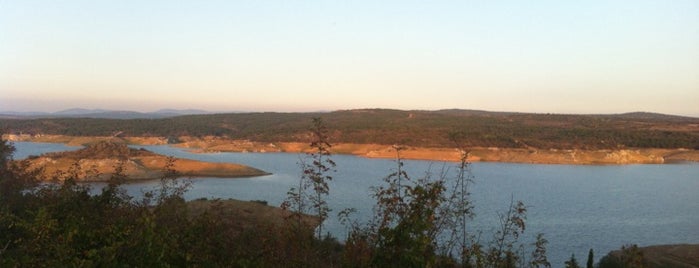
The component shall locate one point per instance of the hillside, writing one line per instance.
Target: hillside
(432, 129)
(660, 256)
(672, 255)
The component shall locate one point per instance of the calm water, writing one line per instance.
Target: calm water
(576, 207)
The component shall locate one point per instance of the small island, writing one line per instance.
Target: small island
(99, 162)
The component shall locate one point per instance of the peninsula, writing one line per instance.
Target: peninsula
(100, 160)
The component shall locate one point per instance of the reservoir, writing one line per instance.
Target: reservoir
(577, 207)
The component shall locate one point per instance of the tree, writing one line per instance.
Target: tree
(590, 259)
(539, 255)
(6, 180)
(15, 178)
(461, 207)
(503, 251)
(315, 176)
(406, 219)
(318, 172)
(632, 256)
(572, 262)
(6, 151)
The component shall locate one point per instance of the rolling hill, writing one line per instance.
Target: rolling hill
(443, 128)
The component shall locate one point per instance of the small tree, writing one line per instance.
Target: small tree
(407, 219)
(632, 256)
(6, 151)
(460, 207)
(318, 172)
(7, 193)
(590, 259)
(539, 255)
(572, 262)
(315, 177)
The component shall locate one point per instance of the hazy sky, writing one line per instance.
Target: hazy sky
(529, 56)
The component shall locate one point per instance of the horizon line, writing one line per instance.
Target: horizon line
(88, 111)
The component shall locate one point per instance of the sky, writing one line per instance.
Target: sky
(287, 56)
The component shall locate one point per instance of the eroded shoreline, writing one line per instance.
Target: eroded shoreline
(476, 154)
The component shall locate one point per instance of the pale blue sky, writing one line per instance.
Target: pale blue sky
(527, 56)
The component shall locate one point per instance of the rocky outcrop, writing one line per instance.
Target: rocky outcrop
(102, 150)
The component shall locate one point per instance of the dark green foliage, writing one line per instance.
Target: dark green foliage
(590, 259)
(6, 151)
(406, 223)
(572, 263)
(412, 128)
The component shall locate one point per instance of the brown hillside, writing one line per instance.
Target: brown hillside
(669, 256)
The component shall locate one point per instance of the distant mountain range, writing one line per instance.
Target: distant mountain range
(102, 113)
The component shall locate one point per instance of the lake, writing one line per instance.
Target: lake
(577, 207)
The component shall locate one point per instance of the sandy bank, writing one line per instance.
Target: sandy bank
(511, 155)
